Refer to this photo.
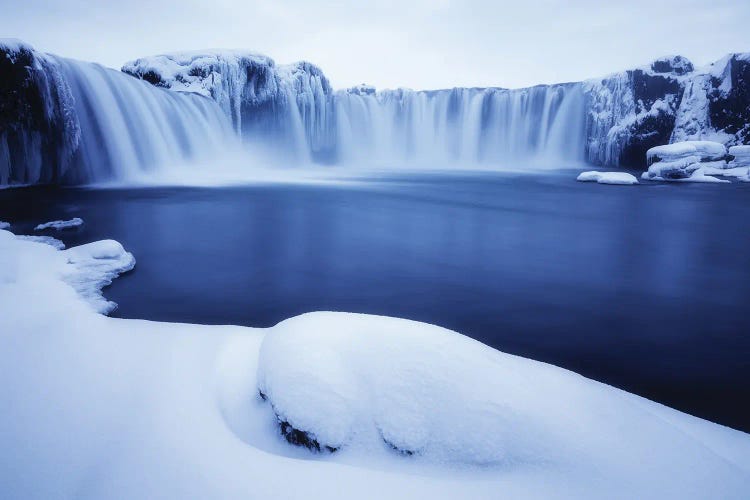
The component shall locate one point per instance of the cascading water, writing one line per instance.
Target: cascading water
(81, 122)
(130, 128)
(542, 125)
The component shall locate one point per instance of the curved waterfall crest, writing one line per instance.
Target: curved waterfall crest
(67, 121)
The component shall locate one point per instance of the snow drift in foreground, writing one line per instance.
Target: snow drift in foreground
(618, 178)
(99, 407)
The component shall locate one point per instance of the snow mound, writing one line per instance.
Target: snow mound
(741, 156)
(47, 240)
(704, 150)
(60, 224)
(4, 225)
(336, 380)
(92, 267)
(618, 178)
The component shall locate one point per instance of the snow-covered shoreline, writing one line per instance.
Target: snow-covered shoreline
(99, 406)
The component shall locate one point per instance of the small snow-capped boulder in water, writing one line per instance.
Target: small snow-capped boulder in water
(616, 178)
(60, 224)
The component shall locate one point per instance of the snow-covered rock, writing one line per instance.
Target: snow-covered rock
(621, 178)
(670, 101)
(4, 225)
(264, 100)
(703, 150)
(740, 156)
(60, 224)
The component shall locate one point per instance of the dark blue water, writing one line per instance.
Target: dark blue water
(646, 288)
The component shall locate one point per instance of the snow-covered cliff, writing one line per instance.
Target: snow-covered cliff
(275, 104)
(670, 101)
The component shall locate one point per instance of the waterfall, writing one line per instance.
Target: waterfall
(130, 128)
(107, 125)
(542, 125)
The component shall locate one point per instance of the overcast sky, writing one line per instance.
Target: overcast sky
(410, 43)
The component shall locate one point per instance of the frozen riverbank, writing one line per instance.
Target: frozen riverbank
(97, 405)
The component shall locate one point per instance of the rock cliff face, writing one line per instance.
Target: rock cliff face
(38, 130)
(670, 101)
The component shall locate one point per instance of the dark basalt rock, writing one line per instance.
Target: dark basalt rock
(400, 451)
(730, 111)
(678, 65)
(39, 131)
(296, 436)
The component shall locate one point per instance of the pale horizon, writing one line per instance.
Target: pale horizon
(419, 45)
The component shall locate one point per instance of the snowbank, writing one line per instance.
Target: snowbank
(98, 407)
(741, 156)
(704, 150)
(621, 178)
(47, 240)
(4, 225)
(60, 224)
(93, 266)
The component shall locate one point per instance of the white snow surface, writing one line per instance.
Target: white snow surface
(60, 224)
(4, 225)
(100, 407)
(704, 150)
(618, 178)
(47, 240)
(741, 156)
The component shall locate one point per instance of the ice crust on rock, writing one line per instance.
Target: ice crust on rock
(619, 178)
(60, 224)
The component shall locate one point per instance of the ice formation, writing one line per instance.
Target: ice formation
(60, 224)
(618, 178)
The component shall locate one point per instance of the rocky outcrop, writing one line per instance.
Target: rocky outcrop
(265, 101)
(39, 132)
(669, 101)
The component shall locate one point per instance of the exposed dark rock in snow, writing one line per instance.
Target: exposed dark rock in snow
(39, 132)
(676, 64)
